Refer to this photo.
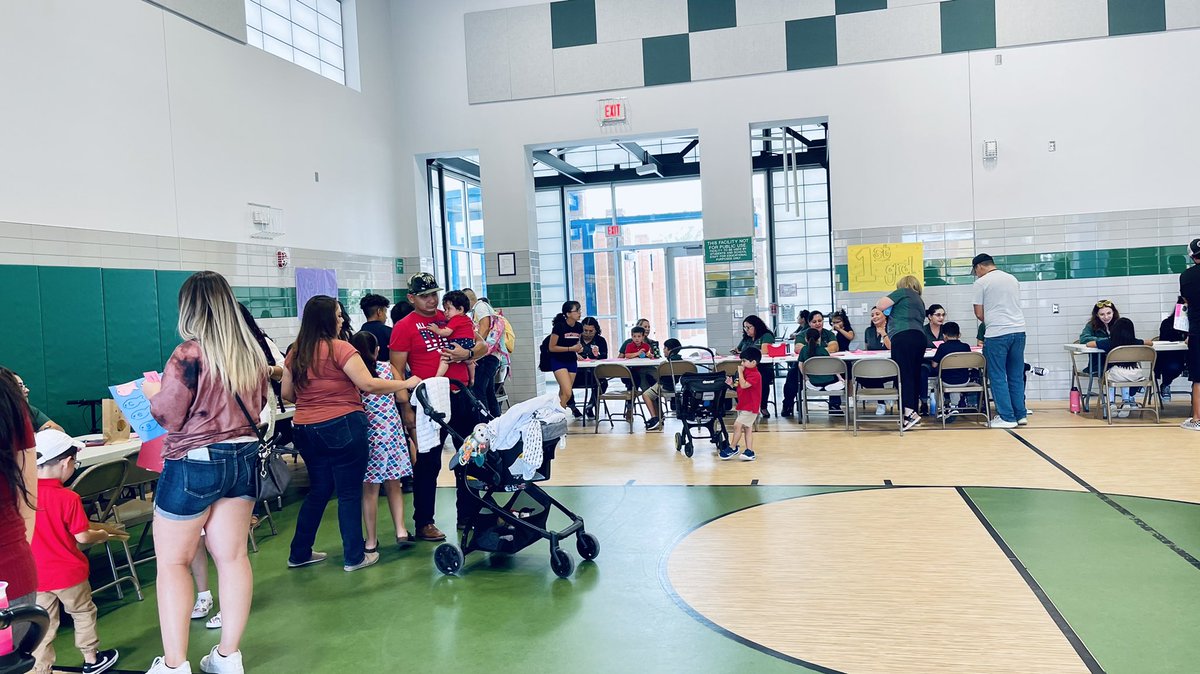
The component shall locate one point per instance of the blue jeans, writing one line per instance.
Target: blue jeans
(188, 487)
(335, 453)
(1005, 356)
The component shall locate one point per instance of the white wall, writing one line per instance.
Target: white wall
(905, 136)
(121, 116)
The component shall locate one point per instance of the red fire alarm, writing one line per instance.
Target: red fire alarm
(283, 259)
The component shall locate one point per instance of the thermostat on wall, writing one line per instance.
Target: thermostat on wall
(990, 151)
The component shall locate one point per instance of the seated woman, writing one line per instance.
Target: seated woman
(1122, 333)
(875, 338)
(797, 335)
(595, 347)
(1098, 327)
(811, 349)
(791, 386)
(756, 333)
(935, 316)
(1168, 365)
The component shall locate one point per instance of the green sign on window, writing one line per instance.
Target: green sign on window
(734, 249)
(399, 265)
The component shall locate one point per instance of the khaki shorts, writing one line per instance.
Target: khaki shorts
(746, 418)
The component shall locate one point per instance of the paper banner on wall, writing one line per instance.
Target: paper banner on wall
(136, 409)
(877, 266)
(313, 282)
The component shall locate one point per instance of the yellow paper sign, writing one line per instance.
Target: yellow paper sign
(877, 266)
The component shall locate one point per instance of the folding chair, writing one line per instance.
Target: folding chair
(136, 505)
(822, 366)
(1139, 356)
(668, 381)
(1081, 368)
(608, 372)
(963, 361)
(876, 368)
(100, 487)
(729, 369)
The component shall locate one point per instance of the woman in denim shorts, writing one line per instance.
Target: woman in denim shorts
(324, 375)
(207, 482)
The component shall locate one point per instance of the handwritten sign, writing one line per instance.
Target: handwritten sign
(734, 249)
(136, 408)
(877, 266)
(313, 282)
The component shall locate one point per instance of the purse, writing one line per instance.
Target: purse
(271, 474)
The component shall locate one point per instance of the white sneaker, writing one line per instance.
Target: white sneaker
(214, 623)
(159, 666)
(215, 663)
(203, 606)
(1123, 413)
(1023, 421)
(1191, 425)
(997, 422)
(880, 410)
(369, 558)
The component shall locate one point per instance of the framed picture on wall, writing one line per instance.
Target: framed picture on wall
(506, 264)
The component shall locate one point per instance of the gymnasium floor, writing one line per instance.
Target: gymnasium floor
(1066, 546)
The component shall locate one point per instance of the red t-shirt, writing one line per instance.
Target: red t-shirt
(750, 399)
(462, 326)
(424, 346)
(633, 347)
(16, 560)
(60, 516)
(328, 393)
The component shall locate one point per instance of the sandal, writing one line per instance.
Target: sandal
(374, 548)
(405, 542)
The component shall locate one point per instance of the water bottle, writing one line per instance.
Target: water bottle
(933, 405)
(6, 641)
(1076, 402)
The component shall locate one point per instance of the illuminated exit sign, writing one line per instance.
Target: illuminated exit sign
(612, 111)
(614, 230)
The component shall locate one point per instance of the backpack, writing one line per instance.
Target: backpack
(544, 355)
(510, 337)
(495, 336)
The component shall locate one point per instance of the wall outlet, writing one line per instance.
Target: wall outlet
(999, 59)
(737, 313)
(1054, 308)
(1053, 146)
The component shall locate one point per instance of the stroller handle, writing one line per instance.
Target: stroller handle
(439, 418)
(39, 623)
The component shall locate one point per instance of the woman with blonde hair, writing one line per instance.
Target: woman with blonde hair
(207, 483)
(906, 329)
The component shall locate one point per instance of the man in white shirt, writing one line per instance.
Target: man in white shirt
(998, 303)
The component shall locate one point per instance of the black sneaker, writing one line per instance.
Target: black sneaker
(576, 413)
(104, 662)
(924, 411)
(654, 424)
(786, 413)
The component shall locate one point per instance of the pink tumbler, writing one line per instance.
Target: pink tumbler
(1076, 403)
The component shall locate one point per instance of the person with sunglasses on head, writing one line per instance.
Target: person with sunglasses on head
(1098, 327)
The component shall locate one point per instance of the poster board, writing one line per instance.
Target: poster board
(313, 282)
(875, 267)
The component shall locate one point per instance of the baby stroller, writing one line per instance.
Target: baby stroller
(508, 513)
(21, 659)
(701, 400)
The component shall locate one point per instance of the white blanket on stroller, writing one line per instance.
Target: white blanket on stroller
(523, 422)
(429, 433)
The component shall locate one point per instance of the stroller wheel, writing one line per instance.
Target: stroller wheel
(688, 450)
(448, 558)
(678, 441)
(587, 545)
(561, 562)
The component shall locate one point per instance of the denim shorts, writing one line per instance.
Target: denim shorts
(187, 487)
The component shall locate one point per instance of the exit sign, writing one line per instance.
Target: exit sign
(612, 111)
(614, 230)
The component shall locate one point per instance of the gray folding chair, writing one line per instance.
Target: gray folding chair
(963, 361)
(729, 369)
(1137, 356)
(610, 372)
(100, 488)
(876, 368)
(668, 381)
(136, 506)
(823, 366)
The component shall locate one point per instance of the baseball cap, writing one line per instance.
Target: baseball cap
(422, 283)
(981, 259)
(53, 443)
(1194, 248)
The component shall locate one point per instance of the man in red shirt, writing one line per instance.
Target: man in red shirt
(61, 527)
(421, 350)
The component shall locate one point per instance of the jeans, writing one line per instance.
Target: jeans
(335, 453)
(485, 383)
(188, 487)
(1005, 356)
(908, 350)
(1168, 367)
(425, 471)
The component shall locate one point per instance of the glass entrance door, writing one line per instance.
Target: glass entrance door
(685, 292)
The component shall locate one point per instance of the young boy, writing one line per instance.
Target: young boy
(61, 527)
(952, 343)
(637, 346)
(459, 329)
(652, 394)
(749, 383)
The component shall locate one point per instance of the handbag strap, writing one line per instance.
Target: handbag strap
(257, 431)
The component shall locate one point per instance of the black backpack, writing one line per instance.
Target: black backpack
(544, 355)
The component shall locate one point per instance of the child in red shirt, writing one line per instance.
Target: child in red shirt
(637, 346)
(459, 329)
(61, 527)
(749, 383)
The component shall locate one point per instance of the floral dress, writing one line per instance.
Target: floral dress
(389, 445)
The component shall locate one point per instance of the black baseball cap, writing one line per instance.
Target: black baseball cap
(1194, 248)
(981, 259)
(422, 283)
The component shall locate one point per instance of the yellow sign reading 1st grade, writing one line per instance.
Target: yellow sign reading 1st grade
(877, 266)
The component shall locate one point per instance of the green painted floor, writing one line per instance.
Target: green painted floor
(1133, 601)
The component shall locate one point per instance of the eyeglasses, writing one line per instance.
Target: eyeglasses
(940, 314)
